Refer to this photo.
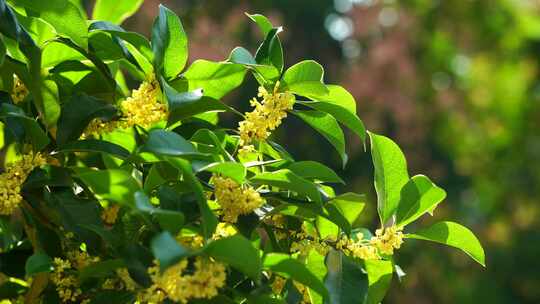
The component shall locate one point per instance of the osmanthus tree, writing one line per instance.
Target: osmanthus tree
(112, 195)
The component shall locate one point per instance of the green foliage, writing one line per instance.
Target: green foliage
(143, 195)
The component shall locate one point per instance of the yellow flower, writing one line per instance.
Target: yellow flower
(66, 283)
(266, 116)
(359, 249)
(12, 179)
(307, 242)
(129, 283)
(109, 214)
(143, 107)
(306, 299)
(278, 284)
(176, 284)
(20, 91)
(387, 239)
(98, 126)
(80, 259)
(235, 199)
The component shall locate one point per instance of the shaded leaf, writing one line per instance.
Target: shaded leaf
(38, 262)
(292, 268)
(167, 250)
(287, 180)
(315, 170)
(345, 280)
(238, 252)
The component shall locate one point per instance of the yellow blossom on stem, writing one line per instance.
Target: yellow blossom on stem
(109, 214)
(235, 199)
(177, 284)
(143, 107)
(266, 117)
(20, 91)
(387, 239)
(80, 259)
(66, 282)
(12, 179)
(98, 126)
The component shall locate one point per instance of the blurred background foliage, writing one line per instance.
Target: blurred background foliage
(455, 83)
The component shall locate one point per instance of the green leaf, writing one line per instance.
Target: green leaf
(32, 130)
(115, 11)
(236, 171)
(262, 22)
(292, 268)
(38, 262)
(92, 145)
(418, 196)
(169, 220)
(169, 43)
(2, 51)
(287, 180)
(209, 219)
(379, 274)
(113, 297)
(51, 105)
(168, 143)
(305, 78)
(345, 209)
(315, 263)
(77, 113)
(390, 174)
(328, 127)
(341, 114)
(315, 170)
(338, 96)
(270, 51)
(238, 252)
(114, 185)
(216, 79)
(63, 16)
(167, 250)
(345, 280)
(241, 56)
(137, 40)
(188, 104)
(455, 235)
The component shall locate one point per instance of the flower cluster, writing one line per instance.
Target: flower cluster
(235, 199)
(142, 108)
(385, 241)
(20, 91)
(360, 248)
(306, 242)
(178, 284)
(278, 284)
(266, 116)
(64, 276)
(65, 280)
(12, 179)
(122, 281)
(109, 214)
